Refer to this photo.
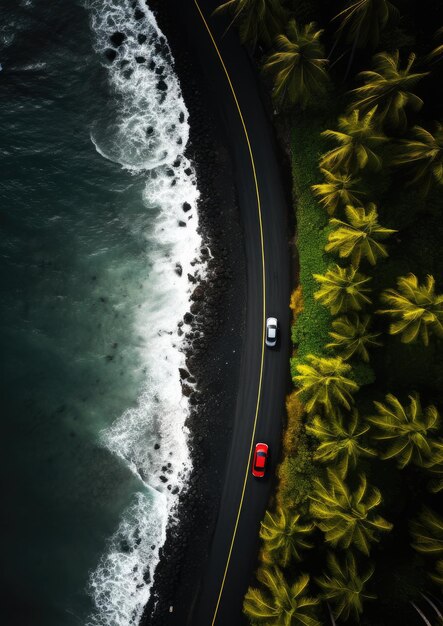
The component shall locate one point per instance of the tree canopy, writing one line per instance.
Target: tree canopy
(324, 384)
(406, 430)
(388, 87)
(298, 66)
(416, 308)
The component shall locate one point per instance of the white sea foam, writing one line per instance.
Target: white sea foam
(147, 135)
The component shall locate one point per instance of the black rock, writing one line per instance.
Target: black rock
(186, 206)
(117, 39)
(147, 577)
(198, 293)
(195, 308)
(141, 38)
(186, 390)
(183, 373)
(140, 59)
(161, 85)
(156, 446)
(181, 223)
(124, 546)
(110, 54)
(187, 318)
(163, 479)
(178, 269)
(191, 278)
(181, 117)
(139, 15)
(149, 130)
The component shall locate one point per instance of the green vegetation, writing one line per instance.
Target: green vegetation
(363, 21)
(341, 441)
(258, 21)
(352, 337)
(422, 154)
(407, 430)
(358, 136)
(281, 603)
(346, 517)
(344, 586)
(427, 535)
(298, 66)
(387, 88)
(367, 171)
(338, 189)
(284, 536)
(360, 236)
(418, 311)
(323, 383)
(342, 289)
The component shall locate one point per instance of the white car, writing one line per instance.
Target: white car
(271, 332)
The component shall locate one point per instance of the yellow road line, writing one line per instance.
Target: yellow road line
(251, 156)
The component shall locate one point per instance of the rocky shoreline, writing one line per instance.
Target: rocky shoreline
(216, 316)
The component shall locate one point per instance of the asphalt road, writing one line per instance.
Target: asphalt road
(233, 553)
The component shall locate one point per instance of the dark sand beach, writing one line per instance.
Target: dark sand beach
(218, 311)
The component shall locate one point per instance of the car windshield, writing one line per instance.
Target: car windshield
(261, 454)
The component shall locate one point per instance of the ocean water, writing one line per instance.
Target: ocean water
(98, 233)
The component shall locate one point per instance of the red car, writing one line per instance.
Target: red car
(260, 460)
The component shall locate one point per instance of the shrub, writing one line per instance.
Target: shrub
(294, 412)
(296, 474)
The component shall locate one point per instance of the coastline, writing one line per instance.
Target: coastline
(216, 312)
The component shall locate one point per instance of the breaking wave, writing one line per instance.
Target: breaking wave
(146, 133)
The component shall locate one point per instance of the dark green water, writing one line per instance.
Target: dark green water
(76, 250)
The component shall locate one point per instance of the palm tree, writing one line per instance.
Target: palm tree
(339, 188)
(436, 54)
(434, 465)
(437, 575)
(344, 587)
(351, 336)
(359, 236)
(258, 20)
(427, 533)
(357, 137)
(347, 518)
(406, 429)
(363, 20)
(424, 154)
(342, 289)
(324, 383)
(280, 604)
(284, 536)
(340, 441)
(298, 66)
(417, 310)
(388, 87)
